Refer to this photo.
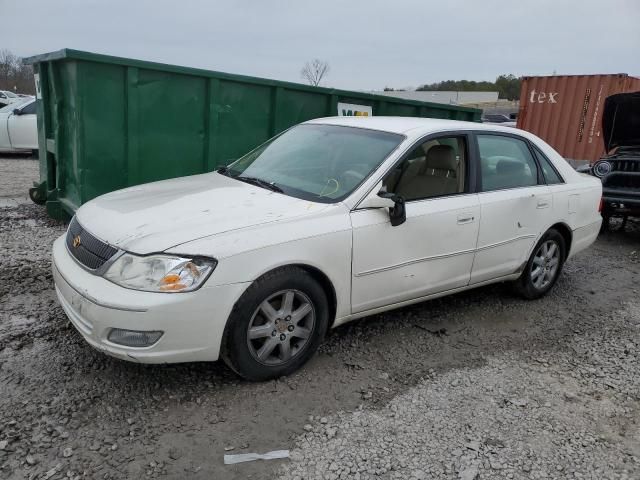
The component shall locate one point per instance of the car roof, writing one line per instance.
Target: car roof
(404, 125)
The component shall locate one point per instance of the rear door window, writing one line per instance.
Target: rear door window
(505, 162)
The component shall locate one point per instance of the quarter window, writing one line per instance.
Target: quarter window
(505, 162)
(550, 173)
(434, 168)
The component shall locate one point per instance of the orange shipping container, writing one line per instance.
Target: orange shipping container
(566, 110)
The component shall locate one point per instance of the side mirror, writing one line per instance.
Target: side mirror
(376, 201)
(16, 111)
(384, 199)
(397, 214)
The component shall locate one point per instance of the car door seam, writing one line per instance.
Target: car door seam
(439, 257)
(505, 242)
(414, 261)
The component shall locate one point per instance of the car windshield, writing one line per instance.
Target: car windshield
(322, 163)
(10, 94)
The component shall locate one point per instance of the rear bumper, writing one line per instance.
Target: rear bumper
(584, 236)
(193, 323)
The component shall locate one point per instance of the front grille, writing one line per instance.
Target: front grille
(87, 249)
(621, 165)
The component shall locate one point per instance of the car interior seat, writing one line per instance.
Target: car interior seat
(433, 175)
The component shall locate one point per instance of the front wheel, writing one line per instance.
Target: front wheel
(544, 266)
(276, 326)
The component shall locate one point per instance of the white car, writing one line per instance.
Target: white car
(18, 126)
(332, 220)
(7, 97)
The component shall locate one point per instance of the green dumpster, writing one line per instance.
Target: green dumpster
(105, 123)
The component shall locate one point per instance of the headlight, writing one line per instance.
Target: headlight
(600, 169)
(160, 273)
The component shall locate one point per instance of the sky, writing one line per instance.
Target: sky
(369, 44)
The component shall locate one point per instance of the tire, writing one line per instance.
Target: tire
(534, 283)
(284, 334)
(34, 195)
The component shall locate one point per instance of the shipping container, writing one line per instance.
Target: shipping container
(566, 111)
(105, 123)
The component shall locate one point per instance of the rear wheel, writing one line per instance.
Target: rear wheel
(276, 326)
(544, 266)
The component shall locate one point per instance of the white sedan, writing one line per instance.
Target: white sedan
(7, 97)
(18, 126)
(332, 220)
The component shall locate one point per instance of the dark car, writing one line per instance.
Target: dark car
(496, 118)
(619, 169)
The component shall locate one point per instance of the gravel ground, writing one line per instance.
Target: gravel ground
(17, 174)
(479, 385)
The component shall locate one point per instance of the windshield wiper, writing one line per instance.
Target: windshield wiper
(260, 183)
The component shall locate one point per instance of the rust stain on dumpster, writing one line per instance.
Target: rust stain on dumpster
(566, 110)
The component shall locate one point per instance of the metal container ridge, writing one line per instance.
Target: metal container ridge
(566, 111)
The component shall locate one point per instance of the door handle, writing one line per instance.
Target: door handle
(543, 204)
(462, 219)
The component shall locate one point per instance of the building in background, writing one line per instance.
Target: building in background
(566, 111)
(450, 98)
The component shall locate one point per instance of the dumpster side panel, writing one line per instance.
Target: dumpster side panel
(169, 126)
(295, 106)
(241, 119)
(103, 144)
(400, 110)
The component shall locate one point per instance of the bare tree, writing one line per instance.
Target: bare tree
(314, 71)
(14, 75)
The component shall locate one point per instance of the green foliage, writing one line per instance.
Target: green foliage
(508, 86)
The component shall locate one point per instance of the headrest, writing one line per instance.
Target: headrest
(509, 167)
(442, 157)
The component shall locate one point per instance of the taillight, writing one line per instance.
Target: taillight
(600, 205)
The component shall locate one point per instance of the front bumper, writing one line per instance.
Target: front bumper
(620, 200)
(193, 322)
(621, 192)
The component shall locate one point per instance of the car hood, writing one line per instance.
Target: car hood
(621, 121)
(157, 216)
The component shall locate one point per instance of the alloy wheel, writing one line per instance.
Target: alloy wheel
(281, 327)
(545, 264)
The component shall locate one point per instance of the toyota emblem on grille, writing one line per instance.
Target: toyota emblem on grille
(76, 241)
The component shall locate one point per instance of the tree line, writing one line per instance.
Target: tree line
(14, 75)
(507, 86)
